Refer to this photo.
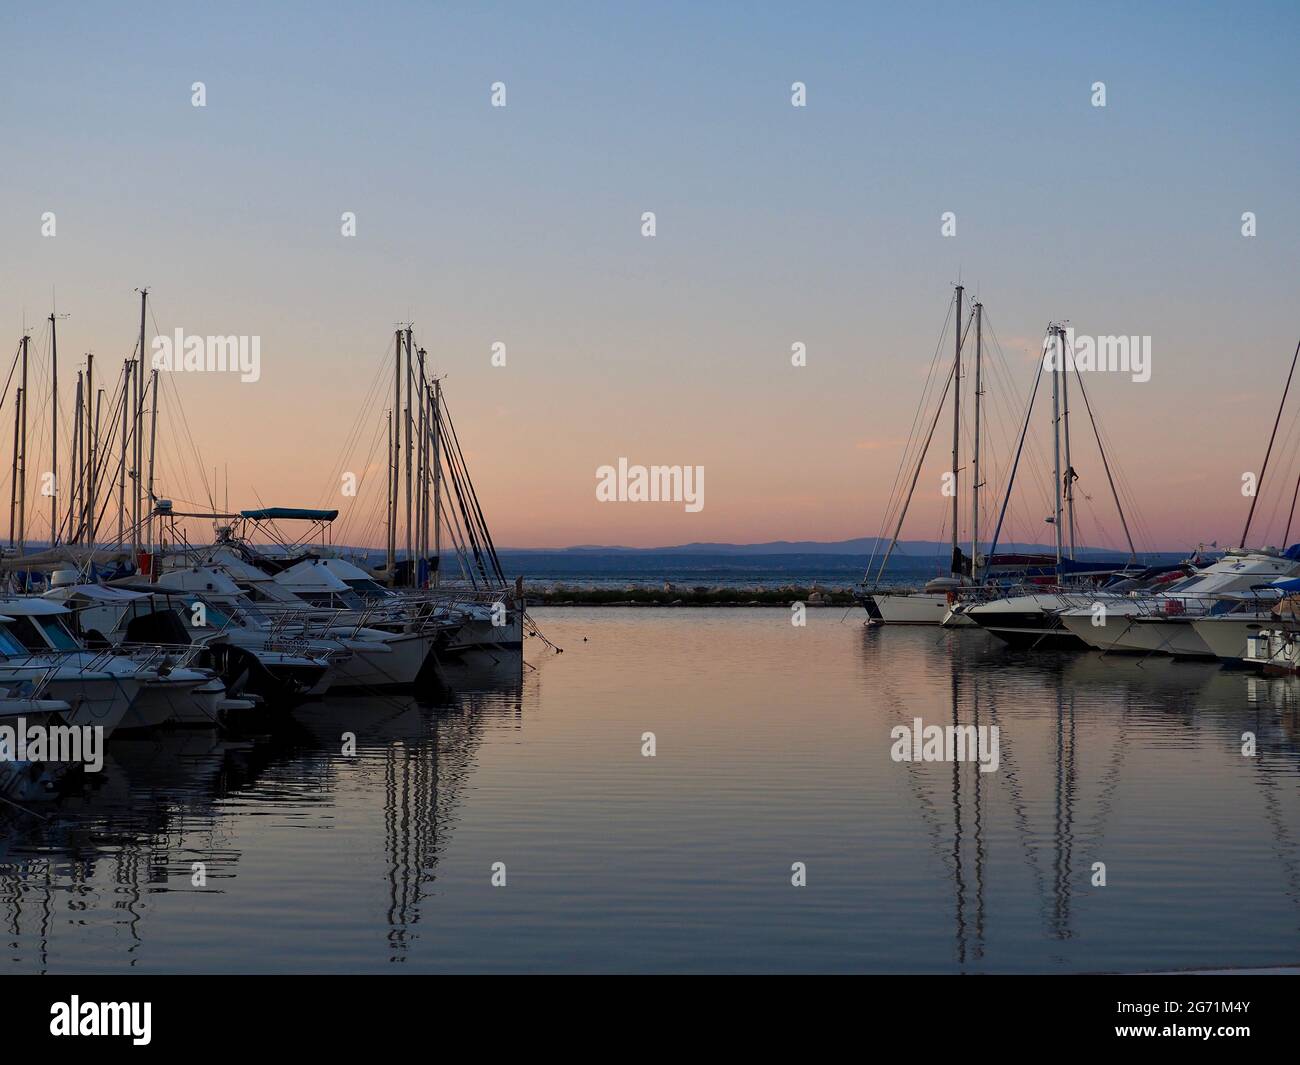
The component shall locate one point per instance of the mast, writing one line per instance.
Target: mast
(13, 478)
(153, 443)
(121, 468)
(422, 469)
(22, 473)
(975, 462)
(132, 475)
(407, 417)
(394, 459)
(436, 418)
(1059, 339)
(54, 431)
(1067, 487)
(389, 545)
(137, 446)
(88, 435)
(74, 473)
(956, 434)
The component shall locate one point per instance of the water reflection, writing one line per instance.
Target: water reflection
(773, 746)
(1060, 819)
(169, 805)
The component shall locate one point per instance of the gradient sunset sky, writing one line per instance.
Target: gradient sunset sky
(775, 225)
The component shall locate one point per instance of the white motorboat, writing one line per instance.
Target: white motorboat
(1163, 623)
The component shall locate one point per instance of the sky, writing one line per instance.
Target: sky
(775, 225)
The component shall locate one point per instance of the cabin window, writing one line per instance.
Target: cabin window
(367, 587)
(37, 635)
(58, 634)
(217, 618)
(9, 644)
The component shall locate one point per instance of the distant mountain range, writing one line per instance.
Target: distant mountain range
(864, 545)
(778, 562)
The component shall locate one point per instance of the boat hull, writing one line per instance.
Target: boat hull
(1027, 622)
(400, 661)
(1151, 634)
(1226, 636)
(904, 608)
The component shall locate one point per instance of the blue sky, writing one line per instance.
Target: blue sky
(775, 224)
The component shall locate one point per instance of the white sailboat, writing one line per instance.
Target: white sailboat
(930, 605)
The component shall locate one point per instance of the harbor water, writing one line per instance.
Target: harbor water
(647, 800)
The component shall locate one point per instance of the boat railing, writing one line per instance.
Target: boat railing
(79, 660)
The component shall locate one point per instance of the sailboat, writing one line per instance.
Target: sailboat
(1033, 618)
(487, 612)
(930, 605)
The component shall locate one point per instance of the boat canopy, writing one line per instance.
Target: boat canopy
(26, 606)
(288, 514)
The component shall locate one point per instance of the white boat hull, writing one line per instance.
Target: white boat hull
(93, 699)
(1149, 634)
(957, 619)
(479, 634)
(1226, 636)
(908, 608)
(394, 662)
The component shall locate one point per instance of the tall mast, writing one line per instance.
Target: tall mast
(956, 433)
(975, 461)
(22, 473)
(153, 442)
(88, 487)
(410, 376)
(395, 457)
(436, 417)
(1067, 486)
(137, 448)
(74, 473)
(54, 431)
(422, 467)
(121, 468)
(13, 479)
(388, 553)
(1059, 340)
(132, 475)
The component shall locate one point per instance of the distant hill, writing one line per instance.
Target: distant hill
(862, 546)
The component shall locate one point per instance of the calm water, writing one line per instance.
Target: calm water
(772, 747)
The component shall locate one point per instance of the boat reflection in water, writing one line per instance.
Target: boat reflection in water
(84, 882)
(1071, 780)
